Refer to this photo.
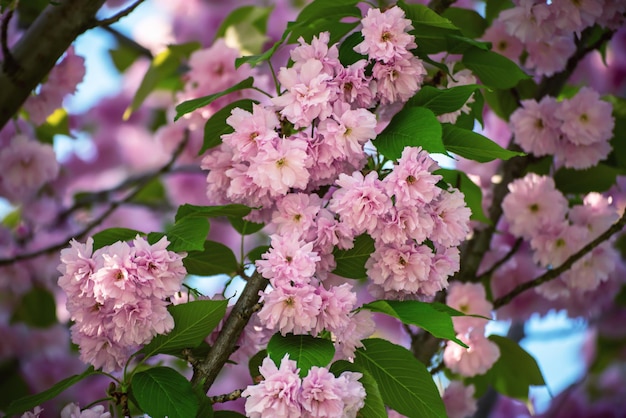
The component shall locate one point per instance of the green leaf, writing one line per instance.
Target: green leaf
(305, 350)
(58, 123)
(433, 33)
(493, 70)
(193, 104)
(441, 101)
(29, 402)
(323, 8)
(193, 322)
(411, 127)
(151, 193)
(599, 178)
(474, 146)
(351, 263)
(374, 406)
(164, 65)
(123, 57)
(470, 22)
(163, 392)
(188, 234)
(12, 384)
(423, 15)
(473, 193)
(234, 210)
(255, 362)
(428, 316)
(216, 126)
(245, 227)
(308, 30)
(112, 235)
(257, 252)
(347, 54)
(37, 308)
(254, 60)
(248, 26)
(404, 382)
(216, 258)
(514, 372)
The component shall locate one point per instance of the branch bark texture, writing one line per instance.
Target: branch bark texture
(38, 50)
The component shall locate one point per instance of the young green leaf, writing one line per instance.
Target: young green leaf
(193, 321)
(599, 178)
(493, 70)
(215, 258)
(441, 101)
(514, 372)
(163, 392)
(471, 23)
(410, 127)
(216, 126)
(233, 210)
(247, 24)
(305, 350)
(474, 146)
(27, 403)
(473, 193)
(351, 263)
(405, 384)
(255, 362)
(256, 253)
(188, 234)
(374, 406)
(37, 308)
(164, 65)
(193, 104)
(112, 235)
(422, 314)
(245, 227)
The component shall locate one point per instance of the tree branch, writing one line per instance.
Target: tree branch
(205, 373)
(554, 273)
(38, 50)
(115, 18)
(112, 207)
(236, 394)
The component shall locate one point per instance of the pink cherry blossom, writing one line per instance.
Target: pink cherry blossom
(533, 203)
(452, 218)
(337, 303)
(278, 394)
(72, 410)
(27, 165)
(360, 201)
(289, 260)
(291, 309)
(398, 80)
(547, 57)
(459, 400)
(586, 119)
(535, 127)
(252, 131)
(385, 36)
(321, 396)
(319, 50)
(412, 181)
(295, 214)
(475, 360)
(471, 299)
(529, 21)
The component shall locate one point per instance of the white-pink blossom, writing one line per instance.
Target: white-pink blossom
(385, 34)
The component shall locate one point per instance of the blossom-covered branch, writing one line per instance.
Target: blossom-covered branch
(112, 207)
(556, 272)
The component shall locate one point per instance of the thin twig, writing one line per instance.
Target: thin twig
(112, 207)
(503, 260)
(131, 43)
(556, 272)
(227, 397)
(115, 18)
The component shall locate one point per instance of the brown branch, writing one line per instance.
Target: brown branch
(8, 63)
(39, 48)
(503, 260)
(115, 18)
(205, 373)
(235, 394)
(112, 207)
(556, 272)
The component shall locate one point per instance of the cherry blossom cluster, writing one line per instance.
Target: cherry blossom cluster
(282, 393)
(316, 129)
(72, 410)
(546, 29)
(62, 80)
(459, 400)
(539, 213)
(576, 130)
(117, 295)
(471, 299)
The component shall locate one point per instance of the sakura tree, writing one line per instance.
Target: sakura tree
(311, 209)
